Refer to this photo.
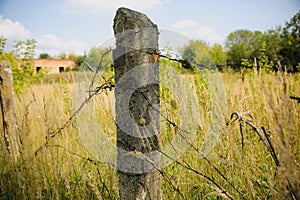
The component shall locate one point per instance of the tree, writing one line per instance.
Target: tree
(202, 54)
(2, 45)
(242, 44)
(79, 61)
(44, 56)
(25, 49)
(7, 56)
(189, 53)
(62, 55)
(255, 44)
(72, 56)
(263, 60)
(21, 63)
(272, 39)
(94, 57)
(24, 74)
(198, 52)
(218, 55)
(290, 43)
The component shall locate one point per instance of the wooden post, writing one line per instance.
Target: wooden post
(137, 105)
(9, 139)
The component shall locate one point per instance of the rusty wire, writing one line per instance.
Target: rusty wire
(109, 85)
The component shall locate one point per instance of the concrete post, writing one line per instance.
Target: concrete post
(9, 139)
(137, 105)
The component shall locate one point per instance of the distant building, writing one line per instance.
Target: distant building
(52, 66)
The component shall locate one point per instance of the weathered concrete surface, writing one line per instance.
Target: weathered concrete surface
(138, 129)
(9, 139)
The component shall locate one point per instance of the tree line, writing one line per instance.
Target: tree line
(273, 49)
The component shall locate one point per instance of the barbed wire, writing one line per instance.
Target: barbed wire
(109, 85)
(264, 137)
(187, 166)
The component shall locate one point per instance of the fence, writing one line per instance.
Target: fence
(10, 140)
(142, 183)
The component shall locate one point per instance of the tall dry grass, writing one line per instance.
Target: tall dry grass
(239, 164)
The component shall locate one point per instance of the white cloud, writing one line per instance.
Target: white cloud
(96, 6)
(209, 34)
(185, 23)
(52, 45)
(195, 30)
(46, 44)
(13, 30)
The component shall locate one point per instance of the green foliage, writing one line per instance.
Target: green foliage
(21, 63)
(44, 56)
(189, 53)
(246, 63)
(72, 56)
(93, 59)
(197, 52)
(7, 56)
(166, 62)
(280, 45)
(183, 66)
(272, 39)
(290, 43)
(25, 49)
(263, 60)
(79, 61)
(239, 163)
(298, 67)
(202, 54)
(2, 45)
(96, 54)
(242, 44)
(63, 56)
(218, 55)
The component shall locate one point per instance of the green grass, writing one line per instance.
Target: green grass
(64, 169)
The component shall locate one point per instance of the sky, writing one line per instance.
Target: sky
(75, 26)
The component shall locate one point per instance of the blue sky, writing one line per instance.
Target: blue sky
(74, 26)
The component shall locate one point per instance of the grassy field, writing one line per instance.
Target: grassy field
(240, 165)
